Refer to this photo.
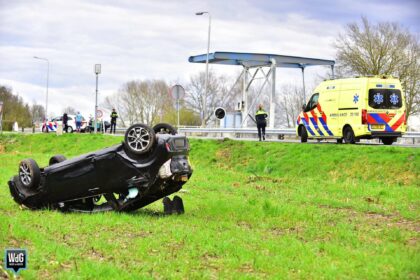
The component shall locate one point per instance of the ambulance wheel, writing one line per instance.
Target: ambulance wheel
(348, 135)
(303, 135)
(388, 141)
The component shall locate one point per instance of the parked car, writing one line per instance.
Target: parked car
(101, 126)
(149, 165)
(52, 125)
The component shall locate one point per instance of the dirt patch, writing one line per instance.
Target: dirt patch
(257, 178)
(224, 154)
(391, 220)
(285, 231)
(2, 149)
(95, 255)
(244, 225)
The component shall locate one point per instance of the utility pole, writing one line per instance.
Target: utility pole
(97, 72)
(207, 69)
(48, 78)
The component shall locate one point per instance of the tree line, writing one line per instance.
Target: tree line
(14, 109)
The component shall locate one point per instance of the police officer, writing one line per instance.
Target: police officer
(114, 117)
(65, 122)
(261, 118)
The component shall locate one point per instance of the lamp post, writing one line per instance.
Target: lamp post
(48, 77)
(207, 68)
(97, 72)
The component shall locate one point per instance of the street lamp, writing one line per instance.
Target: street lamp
(207, 68)
(48, 77)
(97, 72)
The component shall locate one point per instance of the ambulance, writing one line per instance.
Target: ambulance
(355, 108)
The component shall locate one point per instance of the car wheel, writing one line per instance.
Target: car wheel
(69, 129)
(139, 139)
(164, 128)
(29, 173)
(348, 135)
(303, 135)
(56, 159)
(387, 141)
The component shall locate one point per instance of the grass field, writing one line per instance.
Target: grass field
(253, 210)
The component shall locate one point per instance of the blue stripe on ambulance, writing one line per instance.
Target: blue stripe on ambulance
(325, 126)
(308, 127)
(316, 126)
(379, 120)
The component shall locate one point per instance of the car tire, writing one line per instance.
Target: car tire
(139, 139)
(303, 135)
(178, 205)
(56, 159)
(387, 140)
(69, 129)
(348, 135)
(29, 173)
(164, 128)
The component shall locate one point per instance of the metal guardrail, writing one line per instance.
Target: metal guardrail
(280, 133)
(285, 131)
(237, 132)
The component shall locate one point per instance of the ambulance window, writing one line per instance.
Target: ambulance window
(385, 98)
(312, 102)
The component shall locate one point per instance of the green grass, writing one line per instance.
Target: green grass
(253, 210)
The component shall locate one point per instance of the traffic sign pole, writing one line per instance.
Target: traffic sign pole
(177, 92)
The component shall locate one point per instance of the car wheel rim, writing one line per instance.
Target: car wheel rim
(138, 139)
(25, 174)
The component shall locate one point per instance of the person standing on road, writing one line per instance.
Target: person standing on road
(78, 119)
(65, 122)
(114, 117)
(261, 118)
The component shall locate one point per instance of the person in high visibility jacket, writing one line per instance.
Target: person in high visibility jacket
(114, 117)
(261, 118)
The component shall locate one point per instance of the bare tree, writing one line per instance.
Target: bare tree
(114, 102)
(37, 112)
(289, 104)
(70, 110)
(384, 48)
(221, 93)
(141, 101)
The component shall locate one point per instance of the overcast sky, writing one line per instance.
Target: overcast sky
(153, 40)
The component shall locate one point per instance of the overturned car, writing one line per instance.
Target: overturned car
(148, 165)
